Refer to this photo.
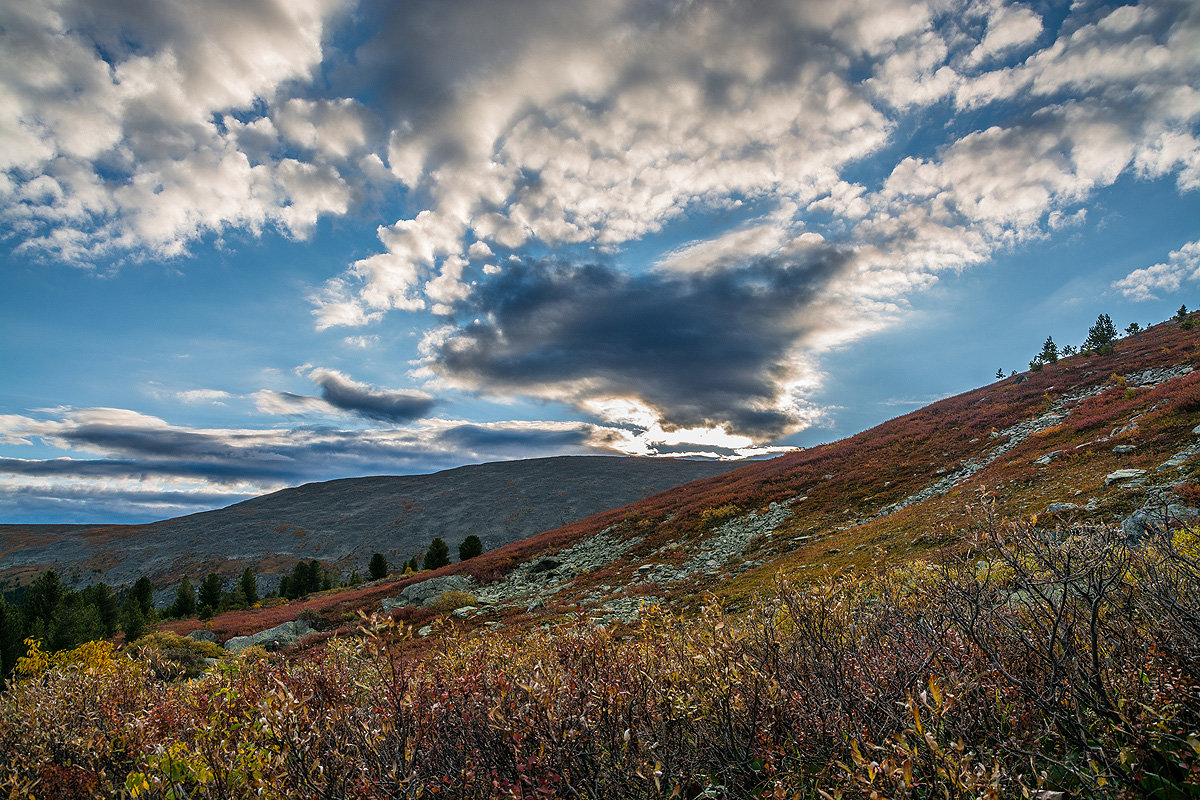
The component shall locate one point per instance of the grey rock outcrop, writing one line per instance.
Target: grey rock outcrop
(1155, 519)
(425, 592)
(280, 636)
(1123, 475)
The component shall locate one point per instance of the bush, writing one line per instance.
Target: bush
(452, 599)
(1029, 661)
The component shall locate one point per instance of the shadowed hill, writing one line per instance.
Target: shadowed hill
(344, 521)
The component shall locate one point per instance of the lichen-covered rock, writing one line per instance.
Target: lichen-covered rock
(203, 636)
(1122, 475)
(426, 592)
(280, 636)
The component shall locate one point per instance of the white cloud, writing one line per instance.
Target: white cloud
(1182, 264)
(119, 106)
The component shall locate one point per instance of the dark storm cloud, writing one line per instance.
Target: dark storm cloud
(703, 349)
(387, 406)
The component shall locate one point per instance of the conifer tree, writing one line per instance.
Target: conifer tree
(1133, 329)
(1101, 335)
(143, 592)
(378, 566)
(210, 592)
(249, 586)
(185, 599)
(470, 547)
(1049, 354)
(438, 554)
(999, 373)
(1181, 314)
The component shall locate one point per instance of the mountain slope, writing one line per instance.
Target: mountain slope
(1096, 438)
(344, 521)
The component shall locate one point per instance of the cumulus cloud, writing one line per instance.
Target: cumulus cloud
(1182, 264)
(702, 349)
(820, 162)
(123, 126)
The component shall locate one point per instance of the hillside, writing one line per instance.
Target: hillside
(972, 600)
(1100, 438)
(343, 521)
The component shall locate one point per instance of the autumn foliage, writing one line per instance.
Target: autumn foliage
(1030, 660)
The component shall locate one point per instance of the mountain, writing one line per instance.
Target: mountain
(1104, 438)
(345, 521)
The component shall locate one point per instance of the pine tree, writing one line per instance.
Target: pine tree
(185, 599)
(249, 586)
(1049, 354)
(999, 373)
(1181, 314)
(101, 596)
(210, 592)
(470, 547)
(1133, 329)
(143, 592)
(1101, 335)
(378, 567)
(438, 554)
(133, 621)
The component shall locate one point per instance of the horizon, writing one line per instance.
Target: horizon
(246, 249)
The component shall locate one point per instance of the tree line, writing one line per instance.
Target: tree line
(1100, 340)
(63, 618)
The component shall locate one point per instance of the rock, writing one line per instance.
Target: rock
(464, 612)
(1196, 430)
(1046, 794)
(1122, 475)
(1124, 448)
(545, 565)
(425, 592)
(428, 629)
(280, 636)
(535, 605)
(1155, 519)
(645, 569)
(1055, 508)
(203, 636)
(1046, 459)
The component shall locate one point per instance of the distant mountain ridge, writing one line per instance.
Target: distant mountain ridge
(344, 521)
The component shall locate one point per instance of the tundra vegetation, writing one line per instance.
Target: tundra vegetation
(1026, 661)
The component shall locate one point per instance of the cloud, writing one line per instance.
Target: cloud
(703, 349)
(1182, 264)
(345, 394)
(134, 126)
(197, 396)
(135, 465)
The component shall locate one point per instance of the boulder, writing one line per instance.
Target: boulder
(425, 592)
(464, 612)
(1124, 448)
(1123, 475)
(1155, 519)
(275, 638)
(203, 636)
(545, 565)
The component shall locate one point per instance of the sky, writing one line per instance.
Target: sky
(247, 244)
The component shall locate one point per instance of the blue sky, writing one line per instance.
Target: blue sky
(250, 244)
